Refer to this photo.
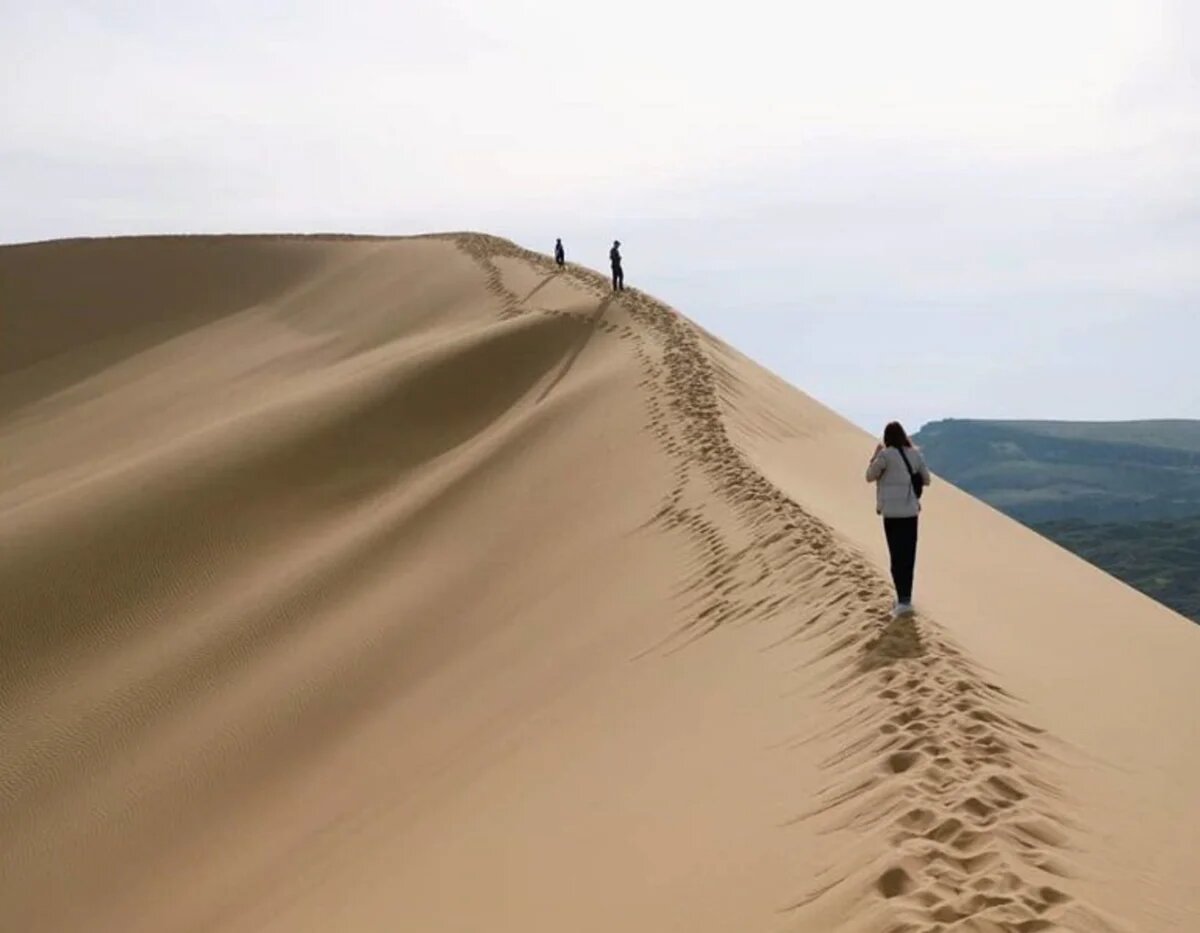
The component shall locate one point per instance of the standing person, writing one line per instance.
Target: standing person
(618, 274)
(900, 476)
(560, 255)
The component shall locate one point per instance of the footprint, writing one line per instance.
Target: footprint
(900, 762)
(894, 882)
(1006, 789)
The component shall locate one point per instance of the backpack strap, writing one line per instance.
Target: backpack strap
(912, 477)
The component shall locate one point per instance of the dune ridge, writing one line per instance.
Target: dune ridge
(973, 830)
(412, 561)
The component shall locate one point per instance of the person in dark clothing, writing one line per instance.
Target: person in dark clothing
(560, 255)
(618, 274)
(901, 535)
(895, 469)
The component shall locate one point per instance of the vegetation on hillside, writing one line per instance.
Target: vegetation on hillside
(1124, 496)
(1049, 471)
(1162, 558)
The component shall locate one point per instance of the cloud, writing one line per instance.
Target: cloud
(425, 102)
(766, 167)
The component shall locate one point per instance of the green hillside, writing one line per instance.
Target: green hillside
(1162, 559)
(1124, 495)
(1167, 434)
(1040, 471)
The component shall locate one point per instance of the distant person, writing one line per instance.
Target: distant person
(900, 476)
(560, 255)
(614, 256)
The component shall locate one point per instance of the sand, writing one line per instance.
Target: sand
(411, 584)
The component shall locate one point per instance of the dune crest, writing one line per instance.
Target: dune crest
(352, 583)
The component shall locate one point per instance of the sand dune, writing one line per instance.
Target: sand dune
(411, 584)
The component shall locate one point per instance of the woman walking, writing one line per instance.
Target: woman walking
(900, 476)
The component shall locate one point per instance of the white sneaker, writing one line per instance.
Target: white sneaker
(902, 609)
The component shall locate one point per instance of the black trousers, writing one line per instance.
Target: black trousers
(901, 536)
(618, 279)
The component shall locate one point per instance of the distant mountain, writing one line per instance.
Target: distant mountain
(1040, 471)
(1123, 495)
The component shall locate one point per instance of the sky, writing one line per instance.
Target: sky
(940, 208)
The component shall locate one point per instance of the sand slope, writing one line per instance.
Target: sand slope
(361, 584)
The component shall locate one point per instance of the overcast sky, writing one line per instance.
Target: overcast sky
(913, 210)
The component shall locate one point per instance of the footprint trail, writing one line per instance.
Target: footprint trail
(958, 793)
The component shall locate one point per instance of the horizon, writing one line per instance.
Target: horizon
(874, 203)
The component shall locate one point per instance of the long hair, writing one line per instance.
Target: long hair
(895, 436)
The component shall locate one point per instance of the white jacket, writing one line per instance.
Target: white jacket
(894, 496)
